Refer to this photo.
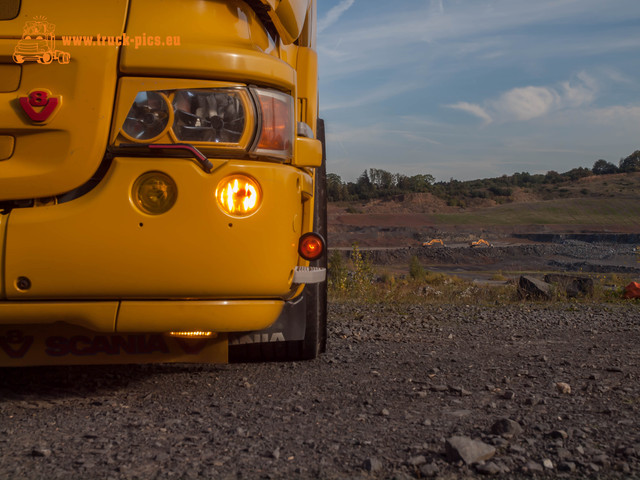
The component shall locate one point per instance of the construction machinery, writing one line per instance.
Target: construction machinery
(434, 242)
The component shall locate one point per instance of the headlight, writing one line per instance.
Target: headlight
(148, 117)
(212, 115)
(226, 120)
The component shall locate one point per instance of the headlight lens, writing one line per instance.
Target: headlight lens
(215, 115)
(148, 117)
(238, 195)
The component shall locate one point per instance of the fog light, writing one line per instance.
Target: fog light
(311, 246)
(238, 195)
(154, 193)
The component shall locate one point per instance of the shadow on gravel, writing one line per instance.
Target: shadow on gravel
(79, 380)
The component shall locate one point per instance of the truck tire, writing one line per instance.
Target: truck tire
(314, 296)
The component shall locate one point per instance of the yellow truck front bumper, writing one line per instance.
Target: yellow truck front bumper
(67, 333)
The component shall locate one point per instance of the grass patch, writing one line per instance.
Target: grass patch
(356, 279)
(569, 211)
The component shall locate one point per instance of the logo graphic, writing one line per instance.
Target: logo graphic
(16, 344)
(40, 106)
(38, 44)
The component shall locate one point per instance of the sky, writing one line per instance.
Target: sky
(470, 89)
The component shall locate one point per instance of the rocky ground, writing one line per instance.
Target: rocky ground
(524, 390)
(566, 256)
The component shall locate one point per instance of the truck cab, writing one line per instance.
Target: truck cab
(162, 193)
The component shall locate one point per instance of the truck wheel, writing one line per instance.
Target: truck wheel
(314, 297)
(18, 58)
(46, 58)
(63, 58)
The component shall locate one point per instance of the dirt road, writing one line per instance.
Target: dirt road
(409, 392)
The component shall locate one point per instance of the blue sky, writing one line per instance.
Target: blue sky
(472, 89)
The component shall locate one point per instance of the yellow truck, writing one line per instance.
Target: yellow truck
(162, 187)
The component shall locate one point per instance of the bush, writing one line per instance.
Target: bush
(416, 272)
(361, 282)
(338, 273)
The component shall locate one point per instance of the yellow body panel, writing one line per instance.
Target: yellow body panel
(100, 246)
(54, 157)
(71, 17)
(96, 316)
(237, 48)
(220, 316)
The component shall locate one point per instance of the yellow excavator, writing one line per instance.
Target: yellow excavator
(434, 242)
(480, 243)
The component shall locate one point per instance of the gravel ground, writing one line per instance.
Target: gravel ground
(526, 390)
(569, 255)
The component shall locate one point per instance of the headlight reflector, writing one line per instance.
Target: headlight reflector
(211, 115)
(148, 117)
(238, 195)
(154, 193)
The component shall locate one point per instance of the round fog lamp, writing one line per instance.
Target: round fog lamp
(238, 195)
(154, 193)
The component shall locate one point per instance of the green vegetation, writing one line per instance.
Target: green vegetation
(568, 211)
(356, 279)
(376, 183)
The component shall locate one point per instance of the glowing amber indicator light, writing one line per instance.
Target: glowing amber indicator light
(311, 246)
(238, 195)
(196, 334)
(155, 193)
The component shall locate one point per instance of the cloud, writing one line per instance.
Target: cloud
(473, 109)
(334, 14)
(373, 95)
(527, 103)
(616, 115)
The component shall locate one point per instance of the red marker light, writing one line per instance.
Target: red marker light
(311, 246)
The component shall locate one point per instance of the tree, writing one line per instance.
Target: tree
(364, 188)
(631, 163)
(381, 179)
(577, 173)
(336, 190)
(602, 167)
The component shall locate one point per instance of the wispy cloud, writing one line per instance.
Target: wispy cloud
(373, 95)
(334, 14)
(526, 103)
(473, 109)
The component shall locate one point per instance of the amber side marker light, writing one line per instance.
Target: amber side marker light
(238, 195)
(311, 246)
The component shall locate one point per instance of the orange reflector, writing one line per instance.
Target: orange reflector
(311, 246)
(238, 195)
